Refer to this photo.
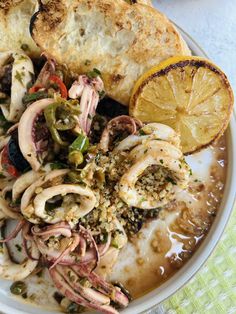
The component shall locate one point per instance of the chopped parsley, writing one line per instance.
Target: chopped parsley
(171, 180)
(141, 132)
(18, 247)
(87, 62)
(18, 77)
(97, 158)
(93, 74)
(102, 94)
(15, 203)
(58, 165)
(143, 199)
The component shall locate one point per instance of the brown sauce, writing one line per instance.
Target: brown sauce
(163, 246)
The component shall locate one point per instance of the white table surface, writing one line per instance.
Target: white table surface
(212, 23)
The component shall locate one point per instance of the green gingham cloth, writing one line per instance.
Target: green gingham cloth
(213, 289)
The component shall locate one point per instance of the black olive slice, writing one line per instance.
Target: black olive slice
(16, 156)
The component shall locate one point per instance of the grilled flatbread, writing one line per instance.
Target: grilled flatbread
(147, 2)
(14, 26)
(121, 40)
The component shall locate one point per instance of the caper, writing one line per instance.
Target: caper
(18, 288)
(74, 308)
(76, 157)
(24, 47)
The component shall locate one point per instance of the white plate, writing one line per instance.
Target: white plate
(9, 305)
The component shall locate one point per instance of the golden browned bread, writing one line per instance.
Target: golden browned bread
(14, 25)
(147, 2)
(121, 40)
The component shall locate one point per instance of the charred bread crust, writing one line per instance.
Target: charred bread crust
(121, 40)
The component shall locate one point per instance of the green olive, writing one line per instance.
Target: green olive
(76, 157)
(18, 288)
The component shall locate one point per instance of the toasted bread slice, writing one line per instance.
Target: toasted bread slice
(14, 26)
(146, 2)
(123, 41)
(184, 44)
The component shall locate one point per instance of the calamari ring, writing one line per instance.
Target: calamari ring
(23, 182)
(88, 201)
(26, 140)
(120, 123)
(150, 131)
(164, 148)
(13, 271)
(30, 191)
(129, 194)
(8, 211)
(22, 71)
(163, 132)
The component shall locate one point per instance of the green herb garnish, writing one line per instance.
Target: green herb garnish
(18, 247)
(81, 144)
(93, 74)
(141, 132)
(171, 180)
(58, 165)
(34, 96)
(18, 76)
(87, 62)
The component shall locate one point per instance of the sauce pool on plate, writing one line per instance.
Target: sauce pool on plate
(165, 244)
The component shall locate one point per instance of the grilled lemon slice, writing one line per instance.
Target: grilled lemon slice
(190, 94)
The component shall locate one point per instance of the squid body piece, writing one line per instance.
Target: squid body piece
(27, 143)
(13, 271)
(23, 182)
(17, 271)
(22, 74)
(87, 201)
(157, 145)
